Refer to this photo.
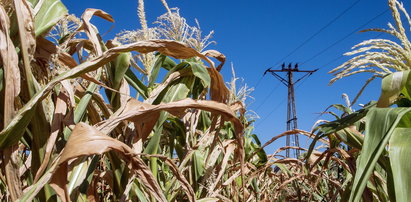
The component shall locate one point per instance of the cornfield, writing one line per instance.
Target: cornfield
(73, 130)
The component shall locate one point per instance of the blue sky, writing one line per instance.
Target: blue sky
(256, 35)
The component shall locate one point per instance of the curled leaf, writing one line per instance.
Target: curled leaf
(85, 141)
(217, 55)
(391, 87)
(89, 28)
(13, 132)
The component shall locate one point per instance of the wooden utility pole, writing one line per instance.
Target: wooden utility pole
(291, 110)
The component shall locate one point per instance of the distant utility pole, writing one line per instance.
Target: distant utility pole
(291, 110)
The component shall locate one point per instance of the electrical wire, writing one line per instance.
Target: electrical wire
(277, 106)
(268, 96)
(345, 37)
(342, 55)
(318, 32)
(319, 53)
(311, 37)
(271, 112)
(258, 82)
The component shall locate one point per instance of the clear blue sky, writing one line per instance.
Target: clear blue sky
(256, 35)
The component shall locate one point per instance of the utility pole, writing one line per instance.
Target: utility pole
(291, 110)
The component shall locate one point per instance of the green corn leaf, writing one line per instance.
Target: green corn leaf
(176, 68)
(175, 92)
(81, 107)
(342, 108)
(334, 126)
(400, 151)
(136, 83)
(381, 123)
(153, 145)
(121, 65)
(350, 138)
(198, 165)
(261, 153)
(32, 191)
(137, 191)
(40, 133)
(78, 174)
(391, 87)
(201, 72)
(90, 173)
(178, 91)
(50, 12)
(156, 69)
(120, 172)
(340, 124)
(256, 139)
(168, 63)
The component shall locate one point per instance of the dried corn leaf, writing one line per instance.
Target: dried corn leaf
(85, 141)
(217, 55)
(56, 126)
(89, 28)
(184, 183)
(218, 90)
(10, 65)
(137, 111)
(12, 89)
(146, 116)
(74, 44)
(26, 27)
(223, 167)
(171, 48)
(27, 40)
(44, 49)
(12, 133)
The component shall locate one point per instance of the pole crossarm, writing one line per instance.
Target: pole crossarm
(284, 81)
(309, 73)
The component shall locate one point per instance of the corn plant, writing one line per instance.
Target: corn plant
(73, 130)
(183, 137)
(373, 142)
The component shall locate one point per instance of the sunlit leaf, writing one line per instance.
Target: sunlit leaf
(381, 123)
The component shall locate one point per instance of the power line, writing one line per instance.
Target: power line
(321, 52)
(318, 32)
(269, 114)
(328, 63)
(346, 36)
(277, 106)
(258, 82)
(268, 96)
(342, 55)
